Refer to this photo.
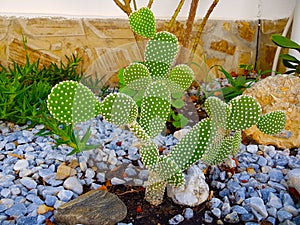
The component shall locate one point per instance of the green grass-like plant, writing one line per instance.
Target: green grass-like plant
(24, 88)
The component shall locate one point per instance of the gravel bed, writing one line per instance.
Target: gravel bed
(257, 190)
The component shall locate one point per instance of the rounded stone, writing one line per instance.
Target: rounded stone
(73, 184)
(21, 164)
(195, 190)
(28, 182)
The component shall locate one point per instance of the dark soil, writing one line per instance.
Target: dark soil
(140, 212)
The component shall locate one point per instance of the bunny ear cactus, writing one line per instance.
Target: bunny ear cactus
(229, 120)
(266, 122)
(155, 108)
(160, 54)
(71, 102)
(142, 22)
(119, 109)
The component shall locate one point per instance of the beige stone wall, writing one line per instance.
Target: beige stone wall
(106, 45)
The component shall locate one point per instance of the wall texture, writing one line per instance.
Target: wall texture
(106, 45)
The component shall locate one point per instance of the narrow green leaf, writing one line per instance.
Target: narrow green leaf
(285, 42)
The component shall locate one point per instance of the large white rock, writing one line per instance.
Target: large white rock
(294, 179)
(194, 192)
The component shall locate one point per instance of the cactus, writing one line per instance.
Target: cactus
(70, 103)
(142, 22)
(160, 54)
(211, 140)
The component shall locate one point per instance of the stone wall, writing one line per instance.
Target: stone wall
(106, 45)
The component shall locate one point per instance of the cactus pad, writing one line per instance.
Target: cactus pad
(71, 102)
(142, 22)
(149, 154)
(236, 144)
(217, 110)
(119, 109)
(272, 123)
(155, 189)
(218, 151)
(160, 54)
(244, 112)
(155, 108)
(180, 78)
(137, 76)
(193, 145)
(169, 171)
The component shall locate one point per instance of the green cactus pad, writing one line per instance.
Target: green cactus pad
(218, 151)
(155, 189)
(236, 144)
(149, 154)
(137, 76)
(71, 102)
(193, 145)
(180, 78)
(160, 54)
(168, 170)
(244, 113)
(155, 108)
(119, 109)
(142, 22)
(217, 110)
(272, 123)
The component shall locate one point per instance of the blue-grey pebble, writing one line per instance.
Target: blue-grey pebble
(266, 192)
(291, 209)
(176, 219)
(262, 177)
(50, 200)
(240, 195)
(277, 186)
(17, 210)
(232, 217)
(207, 217)
(287, 199)
(27, 220)
(258, 207)
(28, 182)
(40, 219)
(262, 161)
(216, 212)
(35, 199)
(272, 211)
(215, 203)
(252, 149)
(275, 175)
(225, 209)
(283, 215)
(130, 171)
(5, 192)
(272, 220)
(65, 195)
(188, 213)
(239, 209)
(32, 207)
(233, 185)
(224, 192)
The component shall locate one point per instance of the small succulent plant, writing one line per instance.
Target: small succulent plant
(211, 140)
